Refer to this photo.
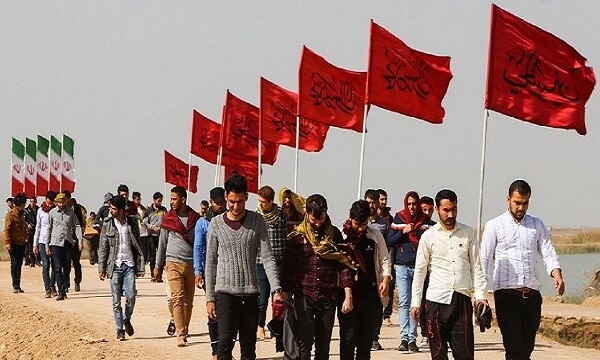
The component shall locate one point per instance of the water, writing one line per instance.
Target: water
(578, 271)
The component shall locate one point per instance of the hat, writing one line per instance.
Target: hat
(297, 201)
(483, 316)
(60, 197)
(107, 196)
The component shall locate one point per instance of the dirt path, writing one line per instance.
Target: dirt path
(82, 327)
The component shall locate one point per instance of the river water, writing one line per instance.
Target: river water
(578, 271)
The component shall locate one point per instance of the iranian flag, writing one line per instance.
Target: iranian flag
(55, 163)
(68, 168)
(43, 166)
(30, 165)
(18, 154)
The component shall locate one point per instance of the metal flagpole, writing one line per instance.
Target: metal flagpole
(297, 151)
(362, 152)
(486, 115)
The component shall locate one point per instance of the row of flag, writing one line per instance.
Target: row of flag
(532, 75)
(42, 165)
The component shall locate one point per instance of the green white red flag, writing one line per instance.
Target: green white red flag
(43, 166)
(17, 167)
(68, 162)
(55, 164)
(30, 167)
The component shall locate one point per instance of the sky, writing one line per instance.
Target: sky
(122, 78)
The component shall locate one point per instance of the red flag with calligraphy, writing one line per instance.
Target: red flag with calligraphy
(329, 94)
(247, 169)
(176, 173)
(278, 119)
(405, 80)
(205, 138)
(534, 76)
(240, 132)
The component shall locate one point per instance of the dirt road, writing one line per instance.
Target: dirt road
(82, 327)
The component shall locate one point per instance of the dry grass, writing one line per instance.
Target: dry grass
(576, 241)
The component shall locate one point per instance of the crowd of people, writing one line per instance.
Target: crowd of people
(291, 256)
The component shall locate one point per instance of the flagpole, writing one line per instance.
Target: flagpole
(362, 152)
(297, 152)
(486, 115)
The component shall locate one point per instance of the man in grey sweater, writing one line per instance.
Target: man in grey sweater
(234, 240)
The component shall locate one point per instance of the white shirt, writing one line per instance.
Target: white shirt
(124, 255)
(452, 258)
(513, 248)
(42, 226)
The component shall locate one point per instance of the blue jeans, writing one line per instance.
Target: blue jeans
(47, 274)
(404, 279)
(61, 263)
(265, 293)
(123, 281)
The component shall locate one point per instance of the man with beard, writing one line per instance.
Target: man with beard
(384, 210)
(292, 206)
(30, 221)
(511, 242)
(15, 238)
(65, 234)
(450, 252)
(367, 247)
(131, 209)
(175, 254)
(40, 243)
(312, 271)
(403, 237)
(427, 207)
(234, 240)
(277, 230)
(217, 207)
(120, 259)
(142, 214)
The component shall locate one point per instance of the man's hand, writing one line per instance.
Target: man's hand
(408, 228)
(347, 305)
(414, 313)
(35, 250)
(157, 273)
(156, 229)
(211, 310)
(7, 247)
(278, 297)
(384, 286)
(48, 250)
(199, 281)
(81, 246)
(102, 275)
(559, 284)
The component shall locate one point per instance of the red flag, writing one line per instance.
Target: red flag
(329, 94)
(176, 173)
(535, 76)
(205, 138)
(240, 132)
(247, 169)
(278, 114)
(405, 80)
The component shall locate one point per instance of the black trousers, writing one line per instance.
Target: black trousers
(519, 319)
(357, 326)
(152, 247)
(17, 252)
(387, 311)
(423, 314)
(30, 258)
(451, 324)
(76, 258)
(237, 313)
(93, 250)
(144, 240)
(314, 321)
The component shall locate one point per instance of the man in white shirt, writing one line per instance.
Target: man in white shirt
(120, 259)
(511, 242)
(450, 252)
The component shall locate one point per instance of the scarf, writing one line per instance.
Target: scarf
(353, 238)
(272, 216)
(417, 220)
(170, 221)
(323, 244)
(46, 208)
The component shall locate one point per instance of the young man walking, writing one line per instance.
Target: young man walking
(15, 238)
(121, 260)
(155, 213)
(511, 243)
(450, 251)
(40, 243)
(234, 241)
(30, 221)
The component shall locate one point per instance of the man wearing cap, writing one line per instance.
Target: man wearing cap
(64, 232)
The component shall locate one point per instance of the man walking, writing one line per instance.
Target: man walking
(121, 260)
(41, 240)
(15, 238)
(511, 243)
(175, 254)
(65, 234)
(234, 241)
(154, 214)
(30, 221)
(450, 251)
(142, 214)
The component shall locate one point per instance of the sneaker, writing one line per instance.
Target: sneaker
(77, 287)
(120, 335)
(387, 322)
(403, 346)
(53, 292)
(376, 346)
(171, 328)
(60, 297)
(128, 327)
(159, 280)
(48, 294)
(424, 342)
(412, 347)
